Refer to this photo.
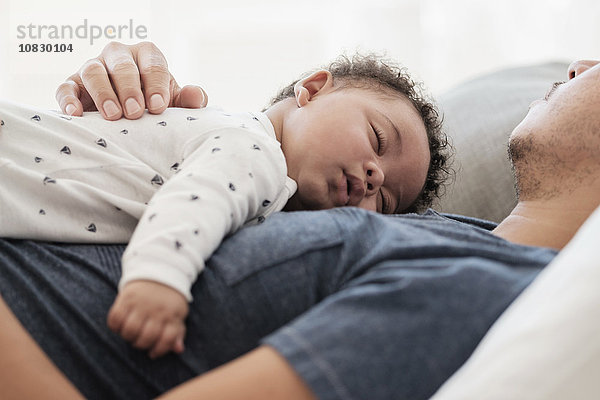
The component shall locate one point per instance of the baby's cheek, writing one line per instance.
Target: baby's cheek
(313, 194)
(369, 203)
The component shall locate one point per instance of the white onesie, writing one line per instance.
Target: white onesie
(183, 180)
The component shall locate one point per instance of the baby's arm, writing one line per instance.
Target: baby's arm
(230, 178)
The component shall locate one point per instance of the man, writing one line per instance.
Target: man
(554, 152)
(341, 304)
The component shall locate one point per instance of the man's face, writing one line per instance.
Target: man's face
(557, 145)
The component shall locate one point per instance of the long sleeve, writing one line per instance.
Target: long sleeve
(229, 177)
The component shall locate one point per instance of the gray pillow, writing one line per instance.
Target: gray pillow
(479, 116)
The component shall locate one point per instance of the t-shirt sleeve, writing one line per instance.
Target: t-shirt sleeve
(230, 177)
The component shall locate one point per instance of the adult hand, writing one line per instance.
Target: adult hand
(124, 80)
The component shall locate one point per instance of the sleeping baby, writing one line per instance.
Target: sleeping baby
(356, 133)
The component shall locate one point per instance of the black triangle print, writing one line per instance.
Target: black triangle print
(36, 118)
(162, 123)
(231, 187)
(255, 147)
(49, 180)
(101, 142)
(215, 149)
(254, 118)
(91, 228)
(194, 197)
(65, 150)
(124, 131)
(175, 166)
(261, 219)
(1, 122)
(178, 244)
(65, 117)
(191, 118)
(266, 203)
(42, 212)
(38, 159)
(157, 180)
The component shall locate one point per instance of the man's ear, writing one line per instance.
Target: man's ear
(307, 88)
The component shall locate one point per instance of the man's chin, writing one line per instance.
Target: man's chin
(520, 130)
(530, 122)
(520, 146)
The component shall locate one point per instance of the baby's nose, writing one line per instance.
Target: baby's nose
(375, 177)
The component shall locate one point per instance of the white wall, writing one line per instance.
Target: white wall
(242, 51)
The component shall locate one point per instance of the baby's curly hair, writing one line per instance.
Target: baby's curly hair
(376, 73)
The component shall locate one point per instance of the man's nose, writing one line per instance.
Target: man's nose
(579, 67)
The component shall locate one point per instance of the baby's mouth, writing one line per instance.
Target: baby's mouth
(355, 190)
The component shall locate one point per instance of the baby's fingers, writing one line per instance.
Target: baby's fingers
(149, 335)
(131, 327)
(178, 347)
(116, 317)
(171, 339)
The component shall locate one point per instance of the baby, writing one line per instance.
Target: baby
(357, 133)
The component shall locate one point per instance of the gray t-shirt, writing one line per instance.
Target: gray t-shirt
(362, 305)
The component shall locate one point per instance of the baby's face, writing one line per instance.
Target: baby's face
(356, 147)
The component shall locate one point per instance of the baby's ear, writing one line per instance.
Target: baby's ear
(306, 89)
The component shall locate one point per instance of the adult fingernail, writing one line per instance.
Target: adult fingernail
(203, 95)
(156, 101)
(110, 108)
(70, 109)
(132, 106)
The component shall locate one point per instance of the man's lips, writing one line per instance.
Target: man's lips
(351, 190)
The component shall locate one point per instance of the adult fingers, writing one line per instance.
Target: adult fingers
(96, 82)
(189, 96)
(122, 72)
(155, 77)
(123, 80)
(72, 97)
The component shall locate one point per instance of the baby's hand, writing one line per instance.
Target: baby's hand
(150, 315)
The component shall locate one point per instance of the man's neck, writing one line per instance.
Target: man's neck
(547, 223)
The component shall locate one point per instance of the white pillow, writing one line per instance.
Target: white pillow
(546, 345)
